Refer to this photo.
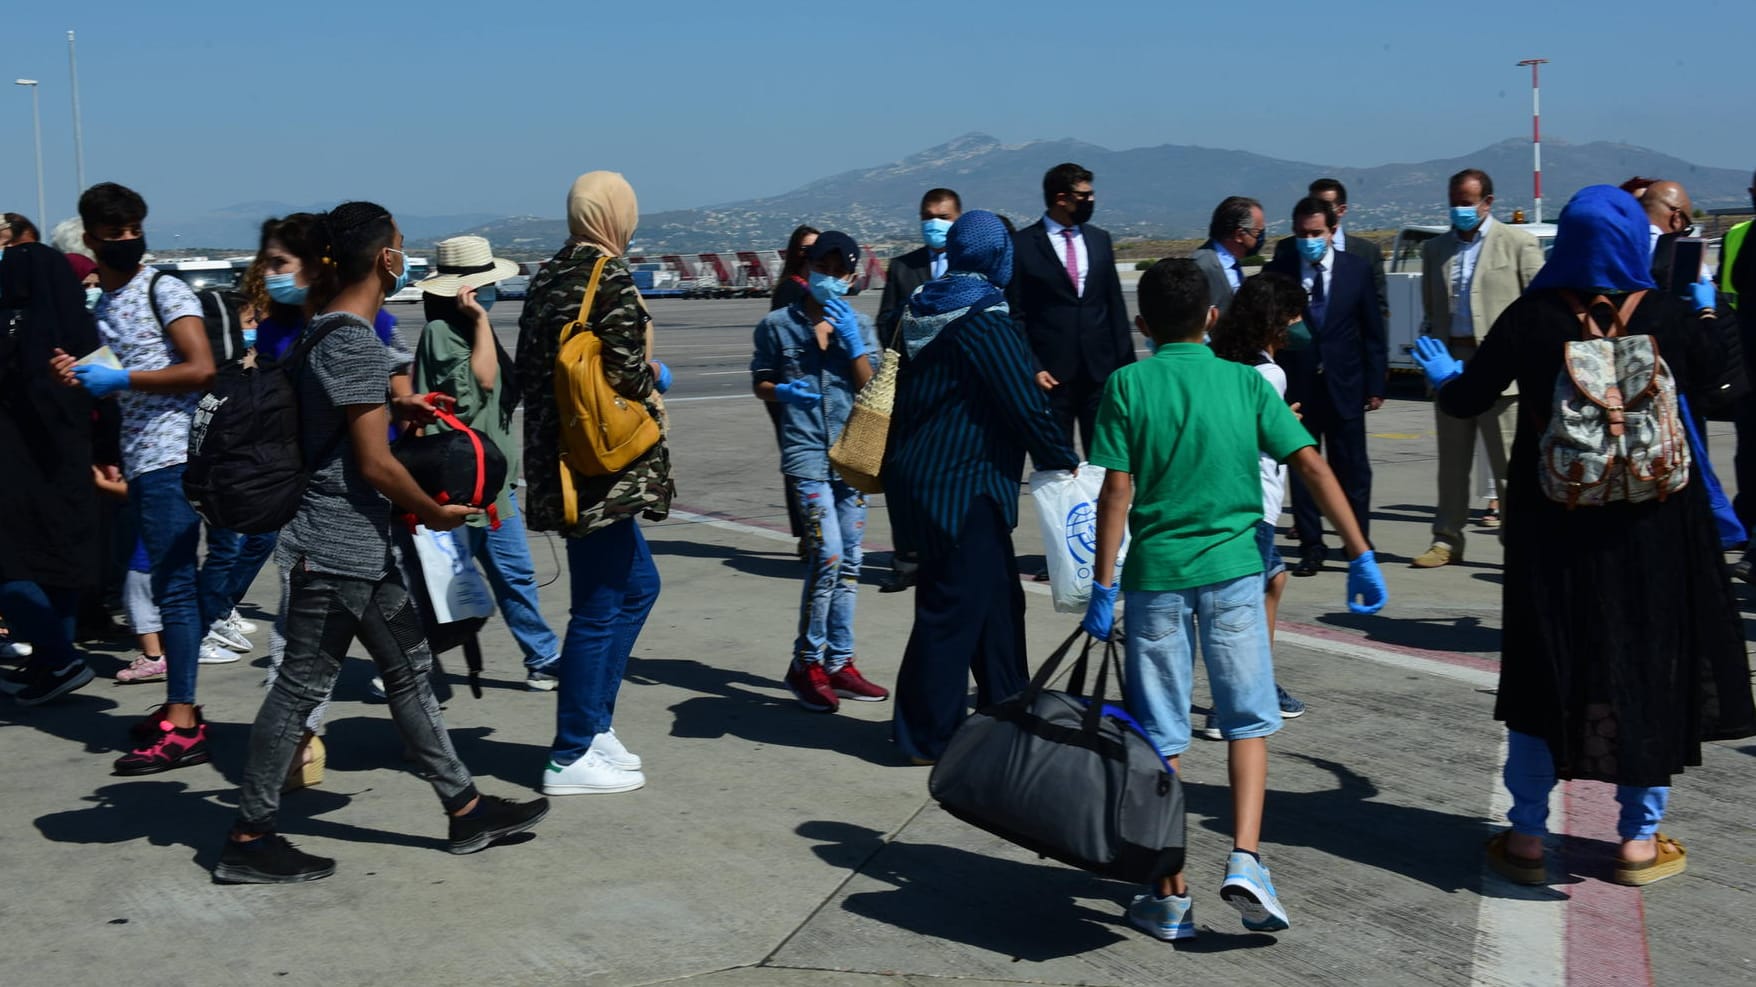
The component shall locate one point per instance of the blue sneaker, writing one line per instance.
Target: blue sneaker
(1290, 708)
(1249, 890)
(1169, 918)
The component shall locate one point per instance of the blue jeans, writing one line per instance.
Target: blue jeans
(1530, 777)
(232, 563)
(1233, 629)
(835, 524)
(614, 587)
(171, 531)
(41, 616)
(505, 556)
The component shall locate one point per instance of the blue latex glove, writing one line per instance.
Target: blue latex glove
(101, 381)
(1703, 296)
(1436, 361)
(661, 377)
(1365, 585)
(1100, 613)
(846, 324)
(797, 392)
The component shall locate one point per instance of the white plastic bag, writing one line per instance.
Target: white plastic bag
(455, 586)
(1067, 513)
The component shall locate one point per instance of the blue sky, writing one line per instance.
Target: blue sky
(450, 107)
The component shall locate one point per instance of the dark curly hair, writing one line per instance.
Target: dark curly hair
(1258, 317)
(298, 234)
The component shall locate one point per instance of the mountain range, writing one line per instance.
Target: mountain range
(1166, 191)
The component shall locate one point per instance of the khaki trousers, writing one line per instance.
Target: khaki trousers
(1457, 442)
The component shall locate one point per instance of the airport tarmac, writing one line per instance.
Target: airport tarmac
(777, 847)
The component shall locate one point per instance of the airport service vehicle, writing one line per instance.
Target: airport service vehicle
(200, 273)
(516, 286)
(1402, 282)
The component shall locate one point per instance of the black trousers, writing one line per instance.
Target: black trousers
(1343, 442)
(795, 516)
(1076, 402)
(969, 617)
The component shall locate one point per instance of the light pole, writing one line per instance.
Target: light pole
(1536, 136)
(37, 119)
(78, 131)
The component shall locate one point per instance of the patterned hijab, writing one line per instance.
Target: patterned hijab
(1601, 245)
(602, 211)
(978, 266)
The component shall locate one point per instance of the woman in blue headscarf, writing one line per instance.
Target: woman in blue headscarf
(967, 410)
(1622, 647)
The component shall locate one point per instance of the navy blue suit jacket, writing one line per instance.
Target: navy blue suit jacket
(1077, 338)
(1349, 353)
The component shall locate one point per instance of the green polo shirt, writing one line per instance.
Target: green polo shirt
(442, 364)
(1188, 425)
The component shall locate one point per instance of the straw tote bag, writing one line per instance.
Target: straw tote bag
(858, 455)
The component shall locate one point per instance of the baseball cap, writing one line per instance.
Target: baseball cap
(835, 242)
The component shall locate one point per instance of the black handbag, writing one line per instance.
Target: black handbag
(458, 465)
(1067, 775)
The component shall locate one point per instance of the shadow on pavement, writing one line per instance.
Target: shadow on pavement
(734, 707)
(774, 565)
(1464, 634)
(1437, 848)
(79, 716)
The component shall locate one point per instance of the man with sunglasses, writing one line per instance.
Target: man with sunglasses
(1236, 231)
(1066, 300)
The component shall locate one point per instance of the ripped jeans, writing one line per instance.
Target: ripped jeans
(835, 523)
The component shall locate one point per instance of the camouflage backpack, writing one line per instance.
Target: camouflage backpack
(1615, 432)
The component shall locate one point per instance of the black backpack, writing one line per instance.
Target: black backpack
(219, 312)
(246, 471)
(456, 466)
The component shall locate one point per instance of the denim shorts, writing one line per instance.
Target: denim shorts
(1231, 624)
(1272, 564)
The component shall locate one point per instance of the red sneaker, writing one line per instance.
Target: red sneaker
(848, 683)
(147, 730)
(175, 747)
(810, 686)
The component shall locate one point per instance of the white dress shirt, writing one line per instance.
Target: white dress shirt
(1308, 273)
(1059, 243)
(1340, 240)
(1463, 274)
(936, 263)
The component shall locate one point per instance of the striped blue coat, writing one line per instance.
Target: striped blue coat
(967, 410)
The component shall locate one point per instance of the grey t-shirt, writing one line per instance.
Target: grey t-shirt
(343, 525)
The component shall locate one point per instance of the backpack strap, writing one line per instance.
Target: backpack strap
(570, 493)
(152, 296)
(302, 350)
(1588, 325)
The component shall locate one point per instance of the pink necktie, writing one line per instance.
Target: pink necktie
(1072, 260)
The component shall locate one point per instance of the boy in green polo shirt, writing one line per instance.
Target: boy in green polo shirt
(1179, 435)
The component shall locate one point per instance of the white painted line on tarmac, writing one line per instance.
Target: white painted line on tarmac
(715, 397)
(720, 373)
(1520, 931)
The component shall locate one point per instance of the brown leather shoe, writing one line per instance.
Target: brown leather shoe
(1440, 554)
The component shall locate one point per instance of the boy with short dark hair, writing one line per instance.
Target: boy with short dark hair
(1179, 435)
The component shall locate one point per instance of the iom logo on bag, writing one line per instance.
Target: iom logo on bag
(1081, 528)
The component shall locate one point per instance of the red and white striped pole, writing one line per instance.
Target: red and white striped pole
(1536, 137)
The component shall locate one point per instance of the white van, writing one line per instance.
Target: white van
(1402, 282)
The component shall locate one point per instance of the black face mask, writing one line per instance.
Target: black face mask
(121, 255)
(1082, 212)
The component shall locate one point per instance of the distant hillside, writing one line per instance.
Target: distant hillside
(1160, 192)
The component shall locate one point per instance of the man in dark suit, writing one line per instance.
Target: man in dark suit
(1067, 301)
(1341, 375)
(1367, 250)
(1236, 231)
(940, 208)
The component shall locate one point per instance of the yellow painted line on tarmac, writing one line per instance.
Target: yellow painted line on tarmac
(1399, 435)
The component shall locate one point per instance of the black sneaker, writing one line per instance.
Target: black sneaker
(49, 683)
(13, 680)
(269, 860)
(494, 819)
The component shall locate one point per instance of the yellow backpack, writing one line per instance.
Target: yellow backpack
(602, 432)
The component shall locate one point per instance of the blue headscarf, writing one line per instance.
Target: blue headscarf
(1601, 245)
(978, 266)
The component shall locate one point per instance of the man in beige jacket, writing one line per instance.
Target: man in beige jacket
(1471, 273)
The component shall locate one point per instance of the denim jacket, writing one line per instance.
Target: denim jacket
(787, 350)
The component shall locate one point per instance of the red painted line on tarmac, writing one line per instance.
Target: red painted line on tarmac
(1605, 922)
(1349, 637)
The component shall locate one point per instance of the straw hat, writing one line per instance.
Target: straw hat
(465, 262)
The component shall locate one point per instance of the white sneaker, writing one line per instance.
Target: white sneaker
(13, 650)
(590, 775)
(236, 622)
(226, 636)
(213, 653)
(618, 756)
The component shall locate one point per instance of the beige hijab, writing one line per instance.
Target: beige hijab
(602, 211)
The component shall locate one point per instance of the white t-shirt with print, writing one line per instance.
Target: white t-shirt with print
(1274, 475)
(155, 427)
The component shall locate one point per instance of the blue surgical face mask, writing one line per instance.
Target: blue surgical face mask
(934, 231)
(402, 280)
(282, 289)
(486, 296)
(1298, 336)
(1312, 248)
(827, 286)
(92, 295)
(1465, 218)
(249, 339)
